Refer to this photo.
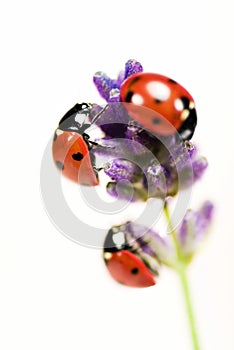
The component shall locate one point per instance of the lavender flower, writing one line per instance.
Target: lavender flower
(167, 164)
(109, 88)
(104, 84)
(114, 121)
(121, 169)
(193, 229)
(132, 67)
(146, 241)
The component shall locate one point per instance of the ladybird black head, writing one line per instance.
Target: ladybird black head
(115, 240)
(74, 119)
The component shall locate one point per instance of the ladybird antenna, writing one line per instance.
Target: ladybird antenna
(99, 114)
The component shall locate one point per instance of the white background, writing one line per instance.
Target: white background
(56, 294)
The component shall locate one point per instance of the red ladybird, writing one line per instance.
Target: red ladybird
(71, 146)
(168, 106)
(123, 263)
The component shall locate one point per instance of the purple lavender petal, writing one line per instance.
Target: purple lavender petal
(114, 120)
(207, 210)
(131, 67)
(156, 181)
(192, 173)
(180, 156)
(191, 149)
(120, 78)
(126, 191)
(124, 148)
(146, 241)
(199, 167)
(122, 169)
(194, 228)
(103, 83)
(114, 95)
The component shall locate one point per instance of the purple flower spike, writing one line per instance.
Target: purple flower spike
(157, 181)
(103, 83)
(199, 167)
(191, 149)
(207, 210)
(146, 241)
(114, 120)
(131, 67)
(121, 169)
(194, 228)
(120, 78)
(127, 191)
(114, 95)
(109, 88)
(193, 170)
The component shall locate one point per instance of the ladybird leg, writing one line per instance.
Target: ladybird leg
(96, 170)
(99, 114)
(85, 137)
(93, 143)
(90, 144)
(85, 126)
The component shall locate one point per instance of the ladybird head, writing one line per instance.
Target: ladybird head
(75, 119)
(115, 240)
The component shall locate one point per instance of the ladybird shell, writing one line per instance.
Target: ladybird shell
(128, 269)
(71, 157)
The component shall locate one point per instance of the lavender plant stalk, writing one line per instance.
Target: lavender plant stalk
(147, 166)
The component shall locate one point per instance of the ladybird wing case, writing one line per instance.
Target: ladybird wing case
(71, 156)
(126, 268)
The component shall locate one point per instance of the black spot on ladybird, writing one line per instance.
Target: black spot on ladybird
(156, 121)
(77, 156)
(172, 81)
(185, 101)
(135, 271)
(60, 165)
(129, 96)
(157, 100)
(134, 81)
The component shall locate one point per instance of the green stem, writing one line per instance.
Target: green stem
(181, 270)
(173, 233)
(188, 302)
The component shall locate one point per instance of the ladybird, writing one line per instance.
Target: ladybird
(123, 263)
(71, 145)
(168, 106)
